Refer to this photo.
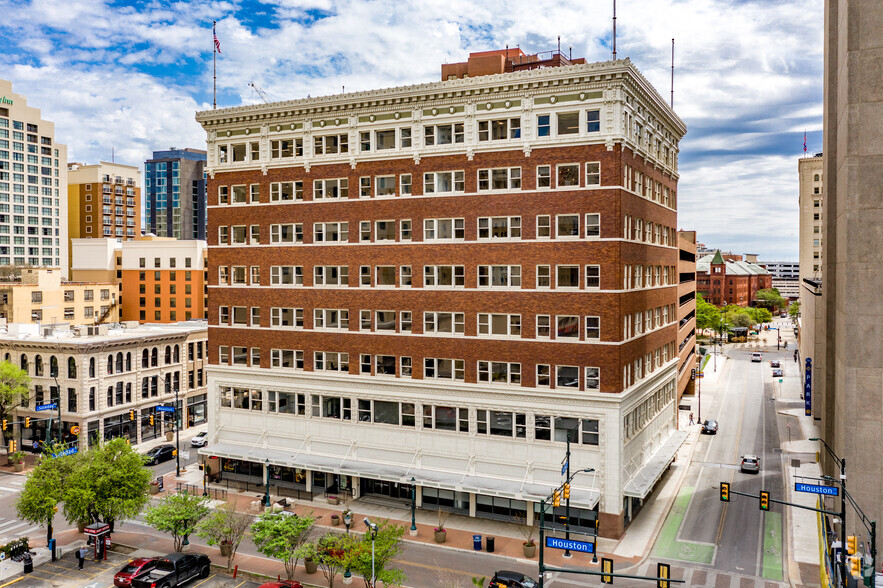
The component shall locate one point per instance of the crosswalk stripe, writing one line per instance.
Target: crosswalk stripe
(8, 529)
(10, 489)
(7, 523)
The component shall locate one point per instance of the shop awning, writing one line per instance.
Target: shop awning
(640, 484)
(445, 480)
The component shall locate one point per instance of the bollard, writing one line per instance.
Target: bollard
(235, 571)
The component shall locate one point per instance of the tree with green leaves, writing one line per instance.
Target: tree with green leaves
(387, 545)
(178, 515)
(770, 298)
(707, 315)
(44, 487)
(109, 483)
(282, 536)
(794, 309)
(14, 387)
(759, 315)
(225, 526)
(336, 552)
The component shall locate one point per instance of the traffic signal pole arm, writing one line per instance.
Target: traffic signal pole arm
(757, 496)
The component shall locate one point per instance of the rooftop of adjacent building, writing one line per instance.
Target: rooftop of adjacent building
(175, 153)
(734, 267)
(483, 63)
(64, 333)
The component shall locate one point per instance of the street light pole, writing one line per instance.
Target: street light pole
(372, 527)
(842, 463)
(413, 506)
(267, 477)
(567, 500)
(177, 437)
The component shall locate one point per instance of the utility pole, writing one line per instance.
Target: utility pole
(567, 497)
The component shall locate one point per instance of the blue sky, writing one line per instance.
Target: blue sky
(128, 76)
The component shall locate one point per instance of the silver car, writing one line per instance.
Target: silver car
(750, 463)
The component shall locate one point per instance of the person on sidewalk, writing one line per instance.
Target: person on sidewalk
(691, 418)
(81, 557)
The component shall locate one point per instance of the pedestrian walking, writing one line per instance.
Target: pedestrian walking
(81, 557)
(795, 356)
(691, 418)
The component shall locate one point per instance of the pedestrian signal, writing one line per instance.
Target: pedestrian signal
(662, 571)
(606, 566)
(764, 500)
(725, 491)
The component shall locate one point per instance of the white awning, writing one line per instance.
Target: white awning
(446, 480)
(640, 485)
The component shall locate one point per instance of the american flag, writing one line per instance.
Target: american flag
(804, 132)
(217, 43)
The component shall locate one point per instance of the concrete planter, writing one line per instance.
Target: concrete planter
(530, 550)
(440, 535)
(310, 566)
(333, 500)
(335, 520)
(20, 466)
(170, 435)
(154, 488)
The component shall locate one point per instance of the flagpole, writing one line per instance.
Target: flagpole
(214, 67)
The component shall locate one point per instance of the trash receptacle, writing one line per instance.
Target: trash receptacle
(28, 563)
(476, 542)
(51, 548)
(490, 544)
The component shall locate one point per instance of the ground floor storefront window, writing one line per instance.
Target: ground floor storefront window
(196, 409)
(501, 509)
(120, 426)
(450, 500)
(150, 431)
(581, 519)
(384, 488)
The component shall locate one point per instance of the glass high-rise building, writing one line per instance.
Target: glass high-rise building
(33, 186)
(174, 194)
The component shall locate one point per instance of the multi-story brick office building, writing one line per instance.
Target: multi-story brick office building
(723, 281)
(439, 282)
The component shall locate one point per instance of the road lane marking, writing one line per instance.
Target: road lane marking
(8, 489)
(8, 529)
(720, 527)
(772, 546)
(667, 544)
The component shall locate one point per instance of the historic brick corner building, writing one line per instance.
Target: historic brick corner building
(722, 280)
(440, 283)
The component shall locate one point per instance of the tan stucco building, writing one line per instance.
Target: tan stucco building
(40, 296)
(811, 191)
(687, 357)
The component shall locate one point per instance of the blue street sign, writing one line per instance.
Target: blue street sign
(51, 406)
(165, 409)
(564, 467)
(68, 451)
(570, 545)
(814, 489)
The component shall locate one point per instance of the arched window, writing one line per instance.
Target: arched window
(91, 367)
(129, 361)
(71, 368)
(38, 365)
(154, 357)
(816, 177)
(177, 353)
(53, 366)
(8, 358)
(168, 355)
(119, 364)
(145, 359)
(24, 362)
(110, 364)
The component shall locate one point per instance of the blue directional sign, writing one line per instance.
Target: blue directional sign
(814, 489)
(564, 467)
(51, 406)
(807, 388)
(68, 451)
(165, 409)
(570, 545)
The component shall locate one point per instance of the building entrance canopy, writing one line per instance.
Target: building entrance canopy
(640, 484)
(447, 480)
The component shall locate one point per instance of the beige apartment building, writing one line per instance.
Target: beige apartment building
(104, 200)
(40, 296)
(33, 186)
(811, 194)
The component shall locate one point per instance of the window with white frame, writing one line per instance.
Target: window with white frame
(385, 275)
(385, 365)
(405, 321)
(444, 322)
(446, 418)
(405, 367)
(544, 226)
(501, 424)
(593, 121)
(238, 274)
(499, 372)
(443, 276)
(330, 189)
(239, 234)
(450, 182)
(238, 195)
(568, 174)
(544, 326)
(593, 173)
(544, 125)
(223, 194)
(385, 185)
(568, 123)
(405, 276)
(443, 369)
(582, 431)
(566, 376)
(405, 229)
(385, 230)
(223, 276)
(365, 187)
(593, 225)
(444, 229)
(365, 231)
(499, 276)
(281, 275)
(544, 279)
(256, 316)
(385, 320)
(335, 319)
(499, 129)
(567, 276)
(499, 325)
(499, 227)
(287, 358)
(331, 361)
(331, 144)
(505, 178)
(330, 232)
(443, 134)
(567, 226)
(224, 315)
(544, 380)
(567, 327)
(286, 191)
(287, 317)
(593, 328)
(544, 176)
(405, 184)
(365, 320)
(285, 148)
(223, 235)
(331, 275)
(287, 233)
(593, 277)
(405, 137)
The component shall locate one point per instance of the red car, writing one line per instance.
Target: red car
(123, 578)
(282, 584)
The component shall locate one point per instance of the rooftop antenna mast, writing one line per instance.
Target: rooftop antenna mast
(614, 30)
(672, 74)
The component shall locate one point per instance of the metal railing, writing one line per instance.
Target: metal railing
(196, 490)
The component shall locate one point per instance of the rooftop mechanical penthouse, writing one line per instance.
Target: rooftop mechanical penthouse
(441, 282)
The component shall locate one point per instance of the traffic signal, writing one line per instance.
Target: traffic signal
(851, 545)
(556, 497)
(11, 446)
(131, 415)
(4, 424)
(27, 422)
(151, 420)
(725, 491)
(764, 500)
(606, 566)
(201, 467)
(855, 565)
(663, 571)
(567, 491)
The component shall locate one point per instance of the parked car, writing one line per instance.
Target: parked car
(778, 373)
(139, 565)
(775, 364)
(282, 584)
(750, 463)
(201, 439)
(709, 427)
(174, 570)
(159, 454)
(756, 357)
(505, 579)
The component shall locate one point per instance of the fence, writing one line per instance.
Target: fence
(215, 493)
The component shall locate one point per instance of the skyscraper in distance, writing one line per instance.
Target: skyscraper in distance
(174, 194)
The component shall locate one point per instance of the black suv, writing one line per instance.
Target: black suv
(159, 454)
(505, 579)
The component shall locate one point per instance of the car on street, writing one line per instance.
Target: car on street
(139, 565)
(775, 364)
(506, 579)
(784, 315)
(756, 357)
(173, 570)
(778, 373)
(201, 439)
(159, 454)
(750, 463)
(709, 427)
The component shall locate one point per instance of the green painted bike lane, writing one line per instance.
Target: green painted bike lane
(772, 546)
(667, 544)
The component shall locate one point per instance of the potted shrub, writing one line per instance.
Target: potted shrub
(18, 460)
(308, 552)
(335, 519)
(440, 532)
(332, 499)
(153, 487)
(529, 546)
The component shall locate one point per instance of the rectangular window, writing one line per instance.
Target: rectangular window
(567, 276)
(405, 137)
(567, 226)
(500, 129)
(442, 229)
(506, 178)
(499, 227)
(544, 127)
(405, 321)
(286, 275)
(544, 276)
(385, 230)
(286, 191)
(593, 277)
(386, 275)
(500, 325)
(330, 275)
(499, 276)
(568, 174)
(442, 276)
(287, 317)
(593, 328)
(593, 173)
(566, 376)
(405, 367)
(405, 230)
(568, 123)
(405, 184)
(443, 134)
(385, 139)
(330, 232)
(443, 322)
(544, 176)
(543, 379)
(568, 327)
(593, 121)
(331, 144)
(498, 372)
(365, 187)
(289, 233)
(330, 189)
(593, 225)
(443, 182)
(385, 320)
(331, 318)
(443, 369)
(544, 226)
(385, 185)
(327, 361)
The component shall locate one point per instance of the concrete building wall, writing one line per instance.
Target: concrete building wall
(852, 417)
(811, 202)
